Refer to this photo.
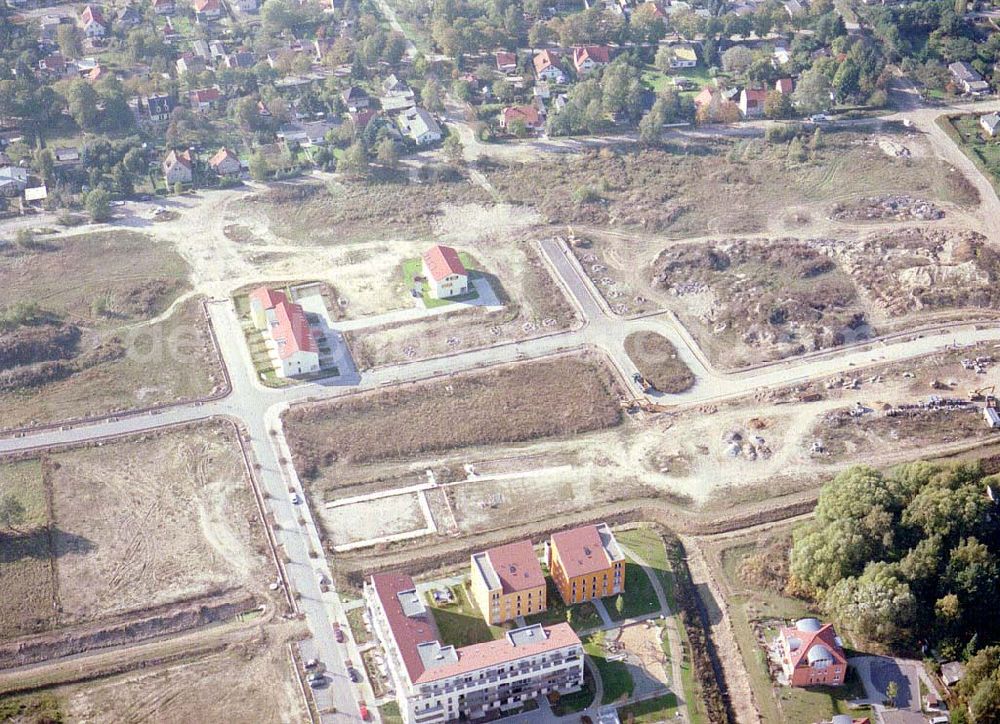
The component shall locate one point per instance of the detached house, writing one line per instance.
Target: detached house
(207, 9)
(178, 166)
(588, 57)
(682, 56)
(286, 325)
(419, 125)
(163, 7)
(93, 23)
(190, 63)
(752, 102)
(990, 123)
(506, 62)
(969, 79)
(225, 163)
(13, 180)
(528, 115)
(355, 98)
(205, 99)
(547, 69)
(445, 273)
(784, 86)
(156, 108)
(812, 654)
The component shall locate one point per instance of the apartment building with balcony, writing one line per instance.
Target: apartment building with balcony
(435, 682)
(586, 563)
(507, 582)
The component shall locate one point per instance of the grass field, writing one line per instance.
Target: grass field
(356, 621)
(568, 395)
(460, 623)
(639, 598)
(656, 359)
(660, 709)
(583, 617)
(169, 360)
(133, 524)
(614, 675)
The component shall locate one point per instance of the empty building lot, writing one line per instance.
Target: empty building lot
(557, 396)
(130, 528)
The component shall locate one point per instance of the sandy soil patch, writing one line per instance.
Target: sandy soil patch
(373, 519)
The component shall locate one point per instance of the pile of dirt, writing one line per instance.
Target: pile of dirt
(894, 207)
(780, 293)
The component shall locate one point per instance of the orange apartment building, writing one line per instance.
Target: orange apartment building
(586, 563)
(507, 582)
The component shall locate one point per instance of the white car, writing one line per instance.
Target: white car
(819, 118)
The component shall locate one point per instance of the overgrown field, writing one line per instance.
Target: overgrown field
(132, 367)
(360, 212)
(563, 396)
(78, 328)
(718, 185)
(127, 526)
(656, 359)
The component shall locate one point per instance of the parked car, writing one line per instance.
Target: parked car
(363, 711)
(321, 578)
(312, 663)
(296, 499)
(338, 633)
(354, 674)
(818, 118)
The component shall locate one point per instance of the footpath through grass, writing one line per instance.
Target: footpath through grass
(614, 675)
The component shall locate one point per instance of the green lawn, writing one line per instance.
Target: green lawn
(461, 623)
(985, 153)
(615, 677)
(578, 701)
(639, 598)
(357, 624)
(389, 713)
(656, 80)
(414, 267)
(659, 709)
(583, 617)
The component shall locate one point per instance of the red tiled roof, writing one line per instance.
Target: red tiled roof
(755, 95)
(784, 85)
(90, 13)
(293, 330)
(493, 653)
(221, 155)
(580, 551)
(825, 635)
(268, 298)
(544, 60)
(597, 53)
(442, 261)
(516, 566)
(206, 95)
(361, 118)
(527, 114)
(181, 157)
(409, 632)
(505, 58)
(203, 6)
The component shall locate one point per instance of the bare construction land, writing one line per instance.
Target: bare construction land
(86, 328)
(128, 528)
(562, 396)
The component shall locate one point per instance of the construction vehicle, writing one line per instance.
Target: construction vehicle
(641, 403)
(978, 395)
(644, 384)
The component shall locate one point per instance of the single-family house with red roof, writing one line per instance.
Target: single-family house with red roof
(506, 61)
(588, 57)
(445, 273)
(752, 102)
(93, 23)
(205, 99)
(530, 116)
(547, 67)
(178, 166)
(207, 9)
(784, 86)
(812, 654)
(225, 162)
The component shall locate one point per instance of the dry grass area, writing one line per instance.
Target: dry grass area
(561, 396)
(135, 276)
(169, 360)
(656, 359)
(133, 524)
(534, 304)
(719, 186)
(345, 213)
(248, 682)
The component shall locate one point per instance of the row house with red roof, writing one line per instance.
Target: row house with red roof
(285, 323)
(436, 682)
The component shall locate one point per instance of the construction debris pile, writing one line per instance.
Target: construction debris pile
(895, 207)
(934, 403)
(749, 447)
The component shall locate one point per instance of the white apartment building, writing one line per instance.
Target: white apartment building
(437, 683)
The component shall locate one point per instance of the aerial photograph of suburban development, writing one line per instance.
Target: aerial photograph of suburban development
(531, 361)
